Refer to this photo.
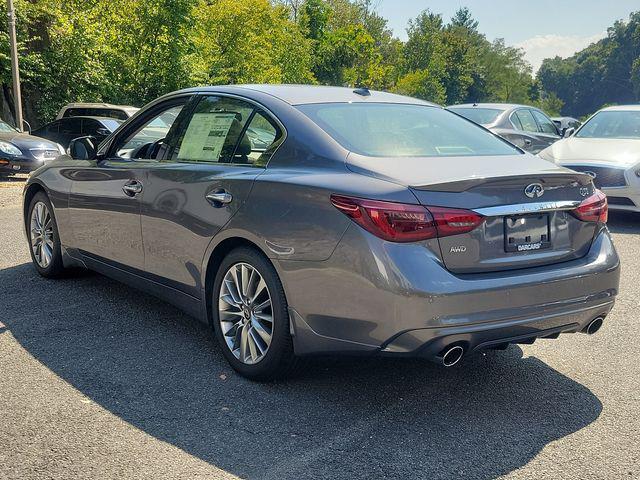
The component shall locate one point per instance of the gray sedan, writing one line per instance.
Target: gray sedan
(527, 127)
(299, 220)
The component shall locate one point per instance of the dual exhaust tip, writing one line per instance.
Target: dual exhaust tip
(452, 355)
(593, 326)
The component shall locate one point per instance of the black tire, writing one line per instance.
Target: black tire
(279, 361)
(55, 268)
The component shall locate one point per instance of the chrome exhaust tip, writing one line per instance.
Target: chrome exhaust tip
(451, 356)
(594, 326)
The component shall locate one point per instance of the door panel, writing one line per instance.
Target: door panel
(212, 153)
(178, 222)
(105, 220)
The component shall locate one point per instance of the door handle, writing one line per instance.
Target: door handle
(132, 188)
(221, 197)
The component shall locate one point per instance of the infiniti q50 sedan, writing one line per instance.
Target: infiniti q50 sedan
(299, 220)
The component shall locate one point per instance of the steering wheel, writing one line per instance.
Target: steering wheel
(148, 150)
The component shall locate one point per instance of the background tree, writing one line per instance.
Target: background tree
(132, 51)
(606, 72)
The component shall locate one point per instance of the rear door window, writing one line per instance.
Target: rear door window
(216, 133)
(527, 121)
(545, 124)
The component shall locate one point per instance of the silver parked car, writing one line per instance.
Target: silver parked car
(527, 127)
(299, 220)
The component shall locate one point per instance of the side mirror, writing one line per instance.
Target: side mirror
(83, 148)
(568, 132)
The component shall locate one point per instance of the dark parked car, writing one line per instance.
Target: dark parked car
(300, 220)
(565, 123)
(66, 129)
(527, 127)
(21, 152)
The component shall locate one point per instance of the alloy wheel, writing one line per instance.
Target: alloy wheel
(41, 233)
(245, 313)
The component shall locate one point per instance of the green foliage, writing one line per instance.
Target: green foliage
(132, 51)
(603, 73)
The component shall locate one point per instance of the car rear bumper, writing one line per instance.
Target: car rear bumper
(398, 299)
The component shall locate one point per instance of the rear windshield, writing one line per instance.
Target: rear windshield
(111, 124)
(95, 112)
(483, 116)
(399, 130)
(612, 124)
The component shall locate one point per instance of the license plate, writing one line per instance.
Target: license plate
(527, 233)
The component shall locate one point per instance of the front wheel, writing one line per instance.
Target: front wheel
(44, 241)
(250, 317)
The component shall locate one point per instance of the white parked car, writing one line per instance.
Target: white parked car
(121, 112)
(607, 147)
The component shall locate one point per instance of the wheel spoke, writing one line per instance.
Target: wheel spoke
(243, 344)
(41, 215)
(260, 308)
(264, 316)
(232, 289)
(228, 299)
(244, 279)
(266, 336)
(259, 289)
(46, 254)
(253, 349)
(34, 238)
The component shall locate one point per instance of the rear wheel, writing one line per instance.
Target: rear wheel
(250, 316)
(44, 241)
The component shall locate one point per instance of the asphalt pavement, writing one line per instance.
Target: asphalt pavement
(100, 381)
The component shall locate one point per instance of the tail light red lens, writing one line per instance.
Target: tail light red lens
(593, 209)
(400, 222)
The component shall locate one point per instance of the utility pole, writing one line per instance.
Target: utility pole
(15, 71)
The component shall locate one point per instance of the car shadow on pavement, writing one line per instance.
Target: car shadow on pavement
(160, 371)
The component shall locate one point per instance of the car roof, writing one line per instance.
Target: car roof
(622, 108)
(100, 105)
(495, 106)
(309, 94)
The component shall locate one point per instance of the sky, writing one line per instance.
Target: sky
(543, 28)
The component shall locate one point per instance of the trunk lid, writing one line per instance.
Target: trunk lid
(521, 229)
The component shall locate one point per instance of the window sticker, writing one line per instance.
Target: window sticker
(205, 136)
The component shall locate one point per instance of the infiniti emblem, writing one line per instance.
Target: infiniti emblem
(534, 190)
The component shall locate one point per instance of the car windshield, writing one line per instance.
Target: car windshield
(483, 116)
(6, 128)
(612, 124)
(403, 130)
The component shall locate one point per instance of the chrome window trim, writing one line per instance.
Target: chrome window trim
(524, 208)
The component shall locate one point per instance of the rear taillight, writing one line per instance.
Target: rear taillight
(593, 209)
(400, 222)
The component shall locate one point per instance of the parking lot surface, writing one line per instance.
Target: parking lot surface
(100, 381)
